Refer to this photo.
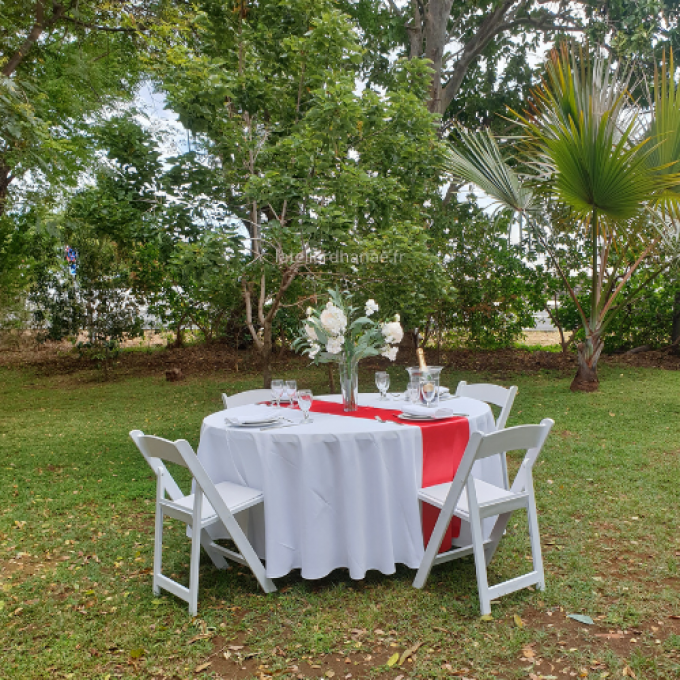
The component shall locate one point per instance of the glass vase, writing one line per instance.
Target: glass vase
(349, 385)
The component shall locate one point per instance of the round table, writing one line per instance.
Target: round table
(339, 492)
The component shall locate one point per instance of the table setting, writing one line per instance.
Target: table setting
(341, 473)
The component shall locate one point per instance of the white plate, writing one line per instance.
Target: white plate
(256, 422)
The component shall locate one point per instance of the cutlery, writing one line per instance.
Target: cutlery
(387, 422)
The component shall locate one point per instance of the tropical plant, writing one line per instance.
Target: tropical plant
(589, 164)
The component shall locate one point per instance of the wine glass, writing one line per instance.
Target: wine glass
(277, 391)
(427, 389)
(413, 391)
(305, 399)
(382, 382)
(291, 389)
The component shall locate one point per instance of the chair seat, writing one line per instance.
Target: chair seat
(236, 497)
(486, 493)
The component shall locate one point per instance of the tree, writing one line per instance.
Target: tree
(310, 166)
(456, 35)
(590, 166)
(60, 64)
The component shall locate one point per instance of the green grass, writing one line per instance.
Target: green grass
(76, 544)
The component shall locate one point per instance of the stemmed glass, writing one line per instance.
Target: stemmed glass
(277, 391)
(291, 390)
(427, 389)
(413, 391)
(305, 399)
(382, 382)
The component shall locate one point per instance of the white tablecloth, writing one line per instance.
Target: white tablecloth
(339, 492)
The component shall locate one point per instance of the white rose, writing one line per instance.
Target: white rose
(393, 332)
(333, 320)
(310, 332)
(389, 352)
(314, 350)
(397, 317)
(334, 345)
(371, 307)
(310, 311)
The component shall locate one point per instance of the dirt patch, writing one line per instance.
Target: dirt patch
(233, 659)
(567, 643)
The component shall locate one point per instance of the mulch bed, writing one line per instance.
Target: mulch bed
(61, 358)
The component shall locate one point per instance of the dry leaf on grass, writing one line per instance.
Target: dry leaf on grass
(202, 667)
(518, 621)
(410, 652)
(393, 659)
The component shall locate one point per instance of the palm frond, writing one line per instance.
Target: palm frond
(476, 158)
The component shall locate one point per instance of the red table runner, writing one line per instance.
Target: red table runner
(444, 443)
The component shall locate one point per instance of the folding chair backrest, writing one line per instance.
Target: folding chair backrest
(245, 398)
(155, 463)
(156, 450)
(502, 397)
(521, 438)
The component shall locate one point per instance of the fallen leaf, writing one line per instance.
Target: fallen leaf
(203, 636)
(330, 674)
(393, 659)
(235, 648)
(528, 653)
(610, 636)
(628, 672)
(136, 653)
(410, 652)
(486, 617)
(518, 621)
(202, 667)
(582, 618)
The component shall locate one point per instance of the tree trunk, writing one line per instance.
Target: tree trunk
(266, 356)
(5, 180)
(586, 379)
(675, 328)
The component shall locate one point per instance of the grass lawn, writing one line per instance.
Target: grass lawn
(76, 545)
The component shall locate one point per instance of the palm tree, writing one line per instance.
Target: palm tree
(589, 162)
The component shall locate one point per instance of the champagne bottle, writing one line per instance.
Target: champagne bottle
(424, 372)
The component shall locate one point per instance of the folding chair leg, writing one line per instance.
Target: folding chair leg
(158, 544)
(194, 565)
(535, 540)
(478, 550)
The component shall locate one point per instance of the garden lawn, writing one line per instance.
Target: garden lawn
(76, 548)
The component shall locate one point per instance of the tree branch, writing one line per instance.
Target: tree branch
(108, 29)
(34, 35)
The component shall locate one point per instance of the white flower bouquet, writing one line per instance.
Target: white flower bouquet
(342, 333)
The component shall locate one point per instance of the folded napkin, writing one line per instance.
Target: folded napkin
(252, 413)
(416, 410)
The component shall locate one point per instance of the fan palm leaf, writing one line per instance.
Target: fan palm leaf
(476, 158)
(582, 136)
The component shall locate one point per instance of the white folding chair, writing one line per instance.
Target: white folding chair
(472, 500)
(503, 397)
(176, 494)
(210, 504)
(245, 398)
